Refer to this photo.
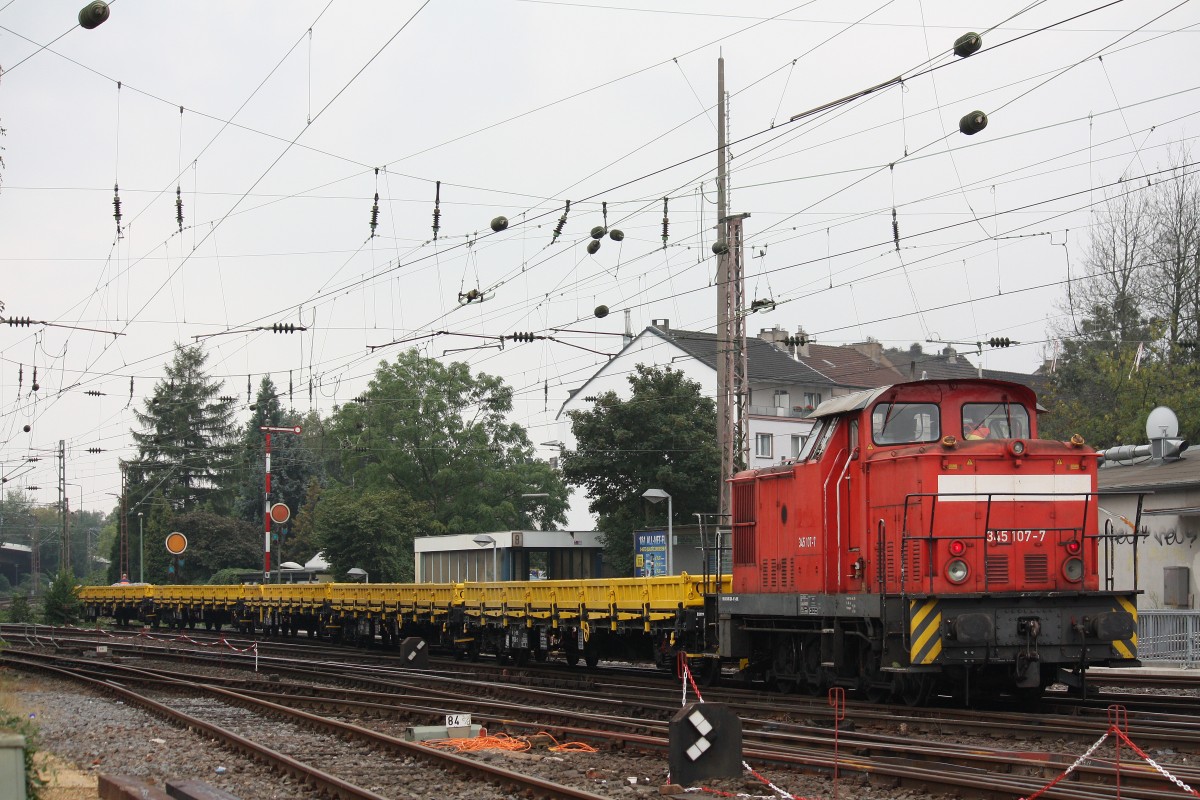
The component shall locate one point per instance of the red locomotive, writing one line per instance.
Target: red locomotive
(925, 540)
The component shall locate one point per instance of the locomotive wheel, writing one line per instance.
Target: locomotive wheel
(813, 673)
(539, 655)
(572, 656)
(591, 658)
(521, 656)
(914, 690)
(784, 667)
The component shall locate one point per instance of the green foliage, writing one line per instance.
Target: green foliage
(663, 437)
(229, 576)
(214, 543)
(5, 586)
(186, 440)
(61, 606)
(439, 434)
(20, 610)
(372, 529)
(34, 782)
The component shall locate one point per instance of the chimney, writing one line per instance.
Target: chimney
(774, 336)
(802, 350)
(870, 348)
(951, 354)
(628, 337)
(663, 325)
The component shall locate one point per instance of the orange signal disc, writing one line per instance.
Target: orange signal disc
(280, 513)
(176, 543)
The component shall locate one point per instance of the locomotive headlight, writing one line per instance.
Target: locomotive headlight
(957, 571)
(1017, 448)
(1072, 569)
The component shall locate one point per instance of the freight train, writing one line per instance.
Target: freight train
(923, 541)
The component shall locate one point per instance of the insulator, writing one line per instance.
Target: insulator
(720, 247)
(598, 232)
(247, 388)
(437, 209)
(179, 208)
(591, 398)
(999, 341)
(93, 14)
(895, 229)
(93, 393)
(499, 224)
(289, 386)
(561, 222)
(616, 234)
(283, 327)
(973, 123)
(601, 312)
(95, 449)
(593, 247)
(967, 44)
(375, 215)
(117, 204)
(131, 388)
(35, 386)
(666, 224)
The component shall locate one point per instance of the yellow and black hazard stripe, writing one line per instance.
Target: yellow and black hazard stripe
(925, 631)
(1126, 648)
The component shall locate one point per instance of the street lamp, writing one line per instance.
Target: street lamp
(141, 553)
(483, 540)
(657, 496)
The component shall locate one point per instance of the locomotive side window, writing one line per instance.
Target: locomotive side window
(999, 420)
(906, 423)
(818, 439)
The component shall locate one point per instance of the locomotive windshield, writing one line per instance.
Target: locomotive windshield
(1001, 420)
(906, 423)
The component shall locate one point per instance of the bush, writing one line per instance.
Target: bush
(33, 781)
(5, 585)
(227, 577)
(61, 605)
(19, 610)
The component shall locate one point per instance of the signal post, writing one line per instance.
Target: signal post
(268, 430)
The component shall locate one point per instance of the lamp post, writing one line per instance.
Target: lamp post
(141, 553)
(483, 540)
(657, 496)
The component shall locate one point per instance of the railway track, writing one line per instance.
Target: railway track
(880, 745)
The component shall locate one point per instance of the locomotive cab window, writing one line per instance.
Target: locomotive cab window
(998, 420)
(906, 423)
(817, 440)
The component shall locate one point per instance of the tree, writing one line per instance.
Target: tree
(292, 462)
(19, 609)
(214, 542)
(61, 606)
(185, 445)
(440, 434)
(661, 438)
(371, 529)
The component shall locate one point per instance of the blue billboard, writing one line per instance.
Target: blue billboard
(649, 553)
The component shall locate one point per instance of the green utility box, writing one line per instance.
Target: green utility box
(12, 766)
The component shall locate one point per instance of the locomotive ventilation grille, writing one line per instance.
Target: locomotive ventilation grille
(778, 573)
(1037, 569)
(996, 569)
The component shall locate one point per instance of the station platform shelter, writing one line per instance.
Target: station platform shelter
(508, 556)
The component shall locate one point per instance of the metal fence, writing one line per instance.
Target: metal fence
(1169, 636)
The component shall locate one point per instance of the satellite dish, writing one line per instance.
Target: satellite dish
(1162, 424)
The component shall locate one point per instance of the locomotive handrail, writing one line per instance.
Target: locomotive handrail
(1080, 531)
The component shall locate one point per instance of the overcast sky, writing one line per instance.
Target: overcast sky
(295, 115)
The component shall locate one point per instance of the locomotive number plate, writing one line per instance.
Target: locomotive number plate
(1016, 537)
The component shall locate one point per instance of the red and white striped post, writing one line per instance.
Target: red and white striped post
(268, 430)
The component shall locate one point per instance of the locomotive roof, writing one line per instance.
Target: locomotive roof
(857, 401)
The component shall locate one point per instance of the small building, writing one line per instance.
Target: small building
(15, 560)
(508, 555)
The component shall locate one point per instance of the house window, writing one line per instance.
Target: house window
(762, 445)
(797, 444)
(782, 400)
(812, 399)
